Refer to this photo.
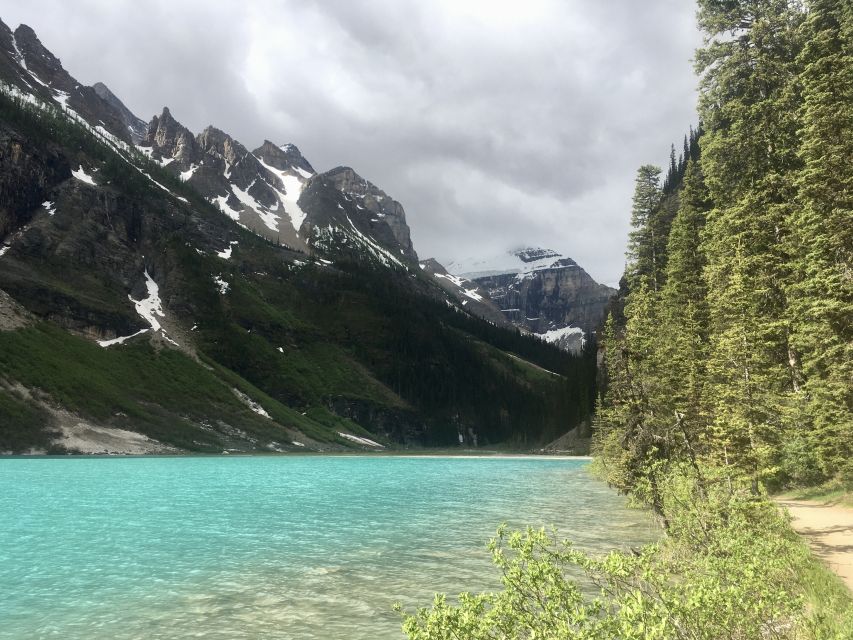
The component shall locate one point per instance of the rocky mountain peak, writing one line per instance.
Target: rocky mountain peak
(219, 144)
(372, 199)
(41, 62)
(284, 158)
(170, 139)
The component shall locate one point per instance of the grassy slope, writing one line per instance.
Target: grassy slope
(161, 393)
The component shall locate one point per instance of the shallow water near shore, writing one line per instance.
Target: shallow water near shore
(271, 547)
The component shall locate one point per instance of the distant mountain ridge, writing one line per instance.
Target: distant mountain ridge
(541, 291)
(261, 189)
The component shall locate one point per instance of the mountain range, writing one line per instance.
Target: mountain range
(162, 290)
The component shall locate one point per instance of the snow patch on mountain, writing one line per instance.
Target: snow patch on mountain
(269, 219)
(555, 335)
(222, 203)
(461, 282)
(359, 440)
(121, 340)
(82, 176)
(254, 406)
(292, 190)
(221, 284)
(186, 175)
(150, 307)
(522, 262)
(225, 254)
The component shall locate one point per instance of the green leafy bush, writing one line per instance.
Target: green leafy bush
(730, 568)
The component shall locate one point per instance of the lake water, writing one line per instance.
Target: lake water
(271, 547)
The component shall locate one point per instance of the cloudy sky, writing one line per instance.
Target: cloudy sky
(497, 124)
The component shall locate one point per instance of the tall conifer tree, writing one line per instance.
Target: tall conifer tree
(822, 291)
(748, 106)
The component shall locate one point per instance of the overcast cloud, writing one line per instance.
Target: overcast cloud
(496, 124)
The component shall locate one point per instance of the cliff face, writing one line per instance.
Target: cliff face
(560, 296)
(541, 291)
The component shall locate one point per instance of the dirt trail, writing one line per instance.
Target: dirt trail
(828, 528)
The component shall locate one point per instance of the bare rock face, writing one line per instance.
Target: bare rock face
(26, 176)
(376, 202)
(168, 138)
(541, 291)
(559, 296)
(286, 158)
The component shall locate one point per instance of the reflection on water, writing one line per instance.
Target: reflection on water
(273, 547)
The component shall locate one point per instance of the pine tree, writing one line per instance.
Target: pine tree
(684, 314)
(822, 291)
(748, 107)
(644, 240)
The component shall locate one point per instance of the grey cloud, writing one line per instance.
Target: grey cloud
(495, 123)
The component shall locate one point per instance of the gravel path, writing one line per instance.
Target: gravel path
(828, 529)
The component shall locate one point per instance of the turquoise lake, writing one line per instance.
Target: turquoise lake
(298, 547)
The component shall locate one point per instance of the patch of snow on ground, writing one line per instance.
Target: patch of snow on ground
(151, 306)
(292, 190)
(222, 202)
(509, 262)
(121, 340)
(460, 282)
(297, 444)
(555, 334)
(225, 254)
(20, 55)
(268, 218)
(49, 206)
(82, 176)
(4, 249)
(359, 440)
(219, 282)
(254, 406)
(186, 175)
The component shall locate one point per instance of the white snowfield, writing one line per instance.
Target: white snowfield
(364, 441)
(293, 187)
(186, 175)
(509, 262)
(555, 334)
(82, 176)
(254, 406)
(149, 308)
(269, 218)
(222, 203)
(225, 254)
(122, 339)
(461, 282)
